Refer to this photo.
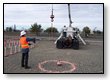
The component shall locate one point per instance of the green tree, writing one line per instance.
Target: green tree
(86, 31)
(98, 32)
(51, 29)
(35, 28)
(9, 29)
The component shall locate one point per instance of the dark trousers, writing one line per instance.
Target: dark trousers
(24, 60)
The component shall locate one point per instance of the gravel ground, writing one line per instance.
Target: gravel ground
(88, 59)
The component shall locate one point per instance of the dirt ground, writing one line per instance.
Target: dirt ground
(88, 59)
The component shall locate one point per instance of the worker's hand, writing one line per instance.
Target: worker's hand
(29, 43)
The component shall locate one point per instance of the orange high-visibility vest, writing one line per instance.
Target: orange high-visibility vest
(24, 43)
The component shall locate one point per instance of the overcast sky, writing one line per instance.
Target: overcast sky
(24, 15)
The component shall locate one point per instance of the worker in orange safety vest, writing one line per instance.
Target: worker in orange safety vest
(24, 42)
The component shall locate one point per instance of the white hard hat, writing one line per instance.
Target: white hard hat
(22, 33)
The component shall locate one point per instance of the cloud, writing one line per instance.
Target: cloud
(27, 14)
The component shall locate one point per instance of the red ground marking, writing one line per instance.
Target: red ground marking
(50, 71)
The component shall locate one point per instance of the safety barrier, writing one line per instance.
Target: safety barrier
(12, 46)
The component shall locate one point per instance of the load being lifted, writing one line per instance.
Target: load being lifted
(69, 37)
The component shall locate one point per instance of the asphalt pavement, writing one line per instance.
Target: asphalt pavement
(88, 59)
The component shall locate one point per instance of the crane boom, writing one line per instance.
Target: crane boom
(69, 14)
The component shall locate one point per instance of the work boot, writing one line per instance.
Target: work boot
(27, 67)
(22, 66)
